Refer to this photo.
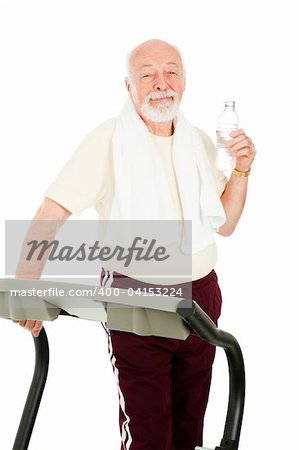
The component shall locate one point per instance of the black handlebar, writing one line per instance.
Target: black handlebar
(201, 323)
(35, 392)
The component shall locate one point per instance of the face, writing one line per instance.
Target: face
(156, 83)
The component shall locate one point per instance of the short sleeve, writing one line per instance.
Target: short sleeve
(83, 180)
(219, 176)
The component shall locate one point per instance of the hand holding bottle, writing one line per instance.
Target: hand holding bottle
(234, 148)
(228, 121)
(242, 149)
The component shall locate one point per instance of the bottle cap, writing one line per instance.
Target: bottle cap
(230, 103)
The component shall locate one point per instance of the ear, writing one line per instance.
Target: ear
(129, 88)
(127, 84)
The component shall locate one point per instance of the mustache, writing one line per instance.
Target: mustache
(163, 94)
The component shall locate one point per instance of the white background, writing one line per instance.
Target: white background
(63, 74)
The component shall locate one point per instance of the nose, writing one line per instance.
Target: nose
(160, 83)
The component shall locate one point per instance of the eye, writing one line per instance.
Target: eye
(172, 73)
(146, 75)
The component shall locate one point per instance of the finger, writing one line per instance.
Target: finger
(22, 323)
(248, 151)
(30, 324)
(234, 141)
(243, 153)
(36, 332)
(242, 144)
(236, 133)
(38, 325)
(37, 328)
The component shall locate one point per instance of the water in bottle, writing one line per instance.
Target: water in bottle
(228, 121)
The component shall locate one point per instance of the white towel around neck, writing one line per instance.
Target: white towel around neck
(141, 188)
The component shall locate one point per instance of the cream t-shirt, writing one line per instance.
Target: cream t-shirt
(87, 179)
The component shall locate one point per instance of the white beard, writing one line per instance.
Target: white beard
(160, 113)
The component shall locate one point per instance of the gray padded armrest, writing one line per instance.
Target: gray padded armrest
(156, 314)
(47, 306)
(24, 307)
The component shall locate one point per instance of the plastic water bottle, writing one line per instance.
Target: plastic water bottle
(228, 121)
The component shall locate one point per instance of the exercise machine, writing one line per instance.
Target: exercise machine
(96, 307)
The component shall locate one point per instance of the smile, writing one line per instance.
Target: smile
(163, 99)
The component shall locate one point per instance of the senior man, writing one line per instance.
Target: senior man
(163, 382)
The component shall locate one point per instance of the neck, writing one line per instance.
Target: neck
(159, 128)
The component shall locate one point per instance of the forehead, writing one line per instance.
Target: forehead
(155, 57)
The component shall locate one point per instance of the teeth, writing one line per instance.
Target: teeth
(161, 96)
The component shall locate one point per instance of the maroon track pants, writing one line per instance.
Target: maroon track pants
(164, 383)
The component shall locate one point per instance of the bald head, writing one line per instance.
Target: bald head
(151, 50)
